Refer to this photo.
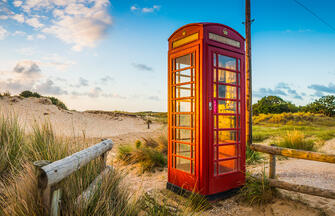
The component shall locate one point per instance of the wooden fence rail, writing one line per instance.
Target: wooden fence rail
(50, 174)
(293, 153)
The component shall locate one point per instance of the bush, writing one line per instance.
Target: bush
(273, 104)
(58, 103)
(325, 105)
(7, 94)
(149, 155)
(27, 94)
(296, 140)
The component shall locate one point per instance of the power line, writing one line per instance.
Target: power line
(314, 14)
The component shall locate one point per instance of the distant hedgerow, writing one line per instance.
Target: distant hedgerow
(27, 94)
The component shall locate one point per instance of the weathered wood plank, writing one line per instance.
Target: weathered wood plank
(90, 190)
(55, 202)
(58, 170)
(294, 153)
(300, 188)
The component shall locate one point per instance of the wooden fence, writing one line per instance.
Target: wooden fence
(50, 174)
(300, 154)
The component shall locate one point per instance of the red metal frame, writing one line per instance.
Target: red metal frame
(202, 177)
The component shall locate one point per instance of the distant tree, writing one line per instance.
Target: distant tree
(273, 104)
(324, 105)
(27, 94)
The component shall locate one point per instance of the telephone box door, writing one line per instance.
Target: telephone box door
(226, 96)
(183, 145)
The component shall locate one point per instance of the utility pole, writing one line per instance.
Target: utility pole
(248, 72)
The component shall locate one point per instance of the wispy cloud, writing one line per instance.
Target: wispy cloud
(49, 87)
(152, 9)
(320, 89)
(281, 89)
(142, 67)
(3, 33)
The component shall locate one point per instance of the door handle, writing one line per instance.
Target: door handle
(210, 106)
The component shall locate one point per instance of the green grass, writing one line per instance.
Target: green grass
(296, 140)
(18, 183)
(149, 155)
(257, 191)
(253, 157)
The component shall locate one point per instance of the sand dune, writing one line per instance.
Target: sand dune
(71, 123)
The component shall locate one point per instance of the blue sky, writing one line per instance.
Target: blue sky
(112, 55)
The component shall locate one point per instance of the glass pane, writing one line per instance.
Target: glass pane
(183, 150)
(227, 92)
(183, 91)
(183, 164)
(183, 61)
(215, 137)
(227, 77)
(182, 135)
(214, 59)
(215, 151)
(214, 90)
(214, 75)
(183, 120)
(214, 171)
(227, 137)
(182, 76)
(193, 168)
(214, 121)
(239, 64)
(227, 151)
(227, 106)
(227, 62)
(227, 122)
(227, 166)
(182, 105)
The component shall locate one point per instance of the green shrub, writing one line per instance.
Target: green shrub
(272, 104)
(149, 154)
(257, 191)
(58, 103)
(7, 94)
(296, 140)
(27, 94)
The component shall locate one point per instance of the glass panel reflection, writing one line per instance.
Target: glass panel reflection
(183, 150)
(227, 106)
(227, 151)
(183, 120)
(227, 136)
(183, 164)
(227, 166)
(227, 62)
(183, 105)
(227, 77)
(227, 92)
(227, 122)
(183, 61)
(182, 135)
(182, 76)
(183, 91)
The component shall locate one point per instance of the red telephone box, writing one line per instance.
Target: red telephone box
(206, 113)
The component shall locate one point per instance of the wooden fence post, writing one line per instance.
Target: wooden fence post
(44, 190)
(55, 202)
(272, 166)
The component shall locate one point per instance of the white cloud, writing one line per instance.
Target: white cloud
(17, 3)
(3, 17)
(34, 22)
(18, 17)
(41, 36)
(30, 37)
(19, 33)
(81, 25)
(152, 9)
(133, 8)
(3, 33)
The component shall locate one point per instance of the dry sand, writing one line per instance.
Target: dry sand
(71, 123)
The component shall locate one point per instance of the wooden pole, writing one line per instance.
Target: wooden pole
(248, 72)
(272, 166)
(44, 190)
(294, 153)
